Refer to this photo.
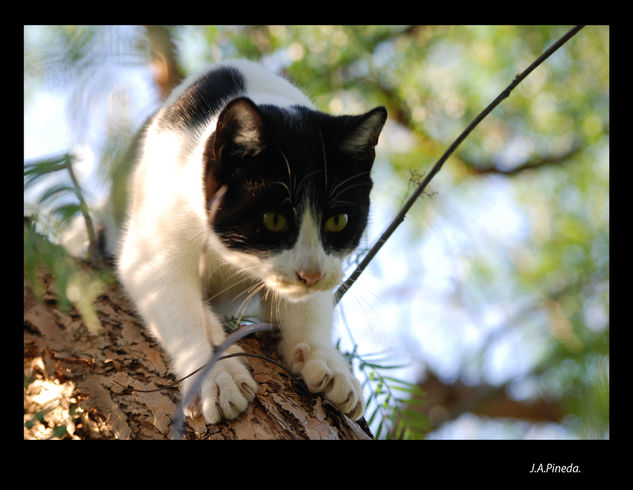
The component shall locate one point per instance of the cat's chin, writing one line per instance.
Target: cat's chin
(294, 293)
(296, 297)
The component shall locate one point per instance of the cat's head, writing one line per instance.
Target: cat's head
(297, 191)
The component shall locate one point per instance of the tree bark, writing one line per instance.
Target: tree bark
(84, 386)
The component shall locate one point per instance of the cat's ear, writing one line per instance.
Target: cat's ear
(239, 129)
(362, 133)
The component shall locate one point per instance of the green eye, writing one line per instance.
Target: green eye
(275, 222)
(336, 223)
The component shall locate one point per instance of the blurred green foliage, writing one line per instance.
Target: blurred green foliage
(545, 148)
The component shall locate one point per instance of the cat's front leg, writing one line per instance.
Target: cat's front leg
(309, 351)
(228, 388)
(169, 298)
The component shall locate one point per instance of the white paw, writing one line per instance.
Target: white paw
(226, 392)
(327, 372)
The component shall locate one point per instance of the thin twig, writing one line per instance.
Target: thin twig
(343, 288)
(93, 249)
(174, 385)
(204, 371)
(263, 358)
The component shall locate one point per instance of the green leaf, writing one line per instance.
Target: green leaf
(60, 431)
(379, 429)
(414, 390)
(67, 211)
(402, 385)
(373, 415)
(56, 189)
(381, 366)
(35, 170)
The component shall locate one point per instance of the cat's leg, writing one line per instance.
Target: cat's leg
(308, 349)
(167, 292)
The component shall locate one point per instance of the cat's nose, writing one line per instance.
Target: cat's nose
(310, 278)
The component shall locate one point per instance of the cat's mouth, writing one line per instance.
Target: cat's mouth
(296, 289)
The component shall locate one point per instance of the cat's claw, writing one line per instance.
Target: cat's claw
(225, 393)
(329, 374)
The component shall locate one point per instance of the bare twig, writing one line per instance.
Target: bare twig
(203, 372)
(343, 288)
(93, 248)
(175, 384)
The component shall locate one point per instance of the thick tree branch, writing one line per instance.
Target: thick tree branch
(438, 165)
(446, 402)
(104, 385)
(497, 168)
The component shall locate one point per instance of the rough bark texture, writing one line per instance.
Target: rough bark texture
(73, 383)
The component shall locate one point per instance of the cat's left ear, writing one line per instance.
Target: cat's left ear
(362, 137)
(239, 129)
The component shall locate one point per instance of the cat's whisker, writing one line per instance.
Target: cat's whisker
(347, 188)
(324, 157)
(306, 177)
(229, 287)
(340, 202)
(333, 191)
(254, 291)
(245, 271)
(291, 179)
(276, 306)
(247, 290)
(285, 186)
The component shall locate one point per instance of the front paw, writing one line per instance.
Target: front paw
(327, 372)
(226, 392)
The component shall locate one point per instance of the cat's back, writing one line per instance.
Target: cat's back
(200, 98)
(266, 87)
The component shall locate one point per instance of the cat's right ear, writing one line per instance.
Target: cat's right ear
(361, 134)
(239, 130)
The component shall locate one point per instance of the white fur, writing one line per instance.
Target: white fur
(164, 240)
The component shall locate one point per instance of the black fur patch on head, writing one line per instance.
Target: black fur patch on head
(283, 160)
(203, 99)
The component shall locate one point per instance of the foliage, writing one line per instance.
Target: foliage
(393, 403)
(513, 248)
(71, 284)
(37, 170)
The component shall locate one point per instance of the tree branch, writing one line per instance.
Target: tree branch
(167, 73)
(103, 384)
(498, 168)
(343, 288)
(447, 402)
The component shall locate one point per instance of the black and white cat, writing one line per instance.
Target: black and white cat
(296, 202)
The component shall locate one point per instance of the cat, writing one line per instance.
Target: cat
(295, 186)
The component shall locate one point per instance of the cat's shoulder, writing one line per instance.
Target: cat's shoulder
(201, 96)
(267, 87)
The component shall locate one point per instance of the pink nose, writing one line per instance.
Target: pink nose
(310, 278)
